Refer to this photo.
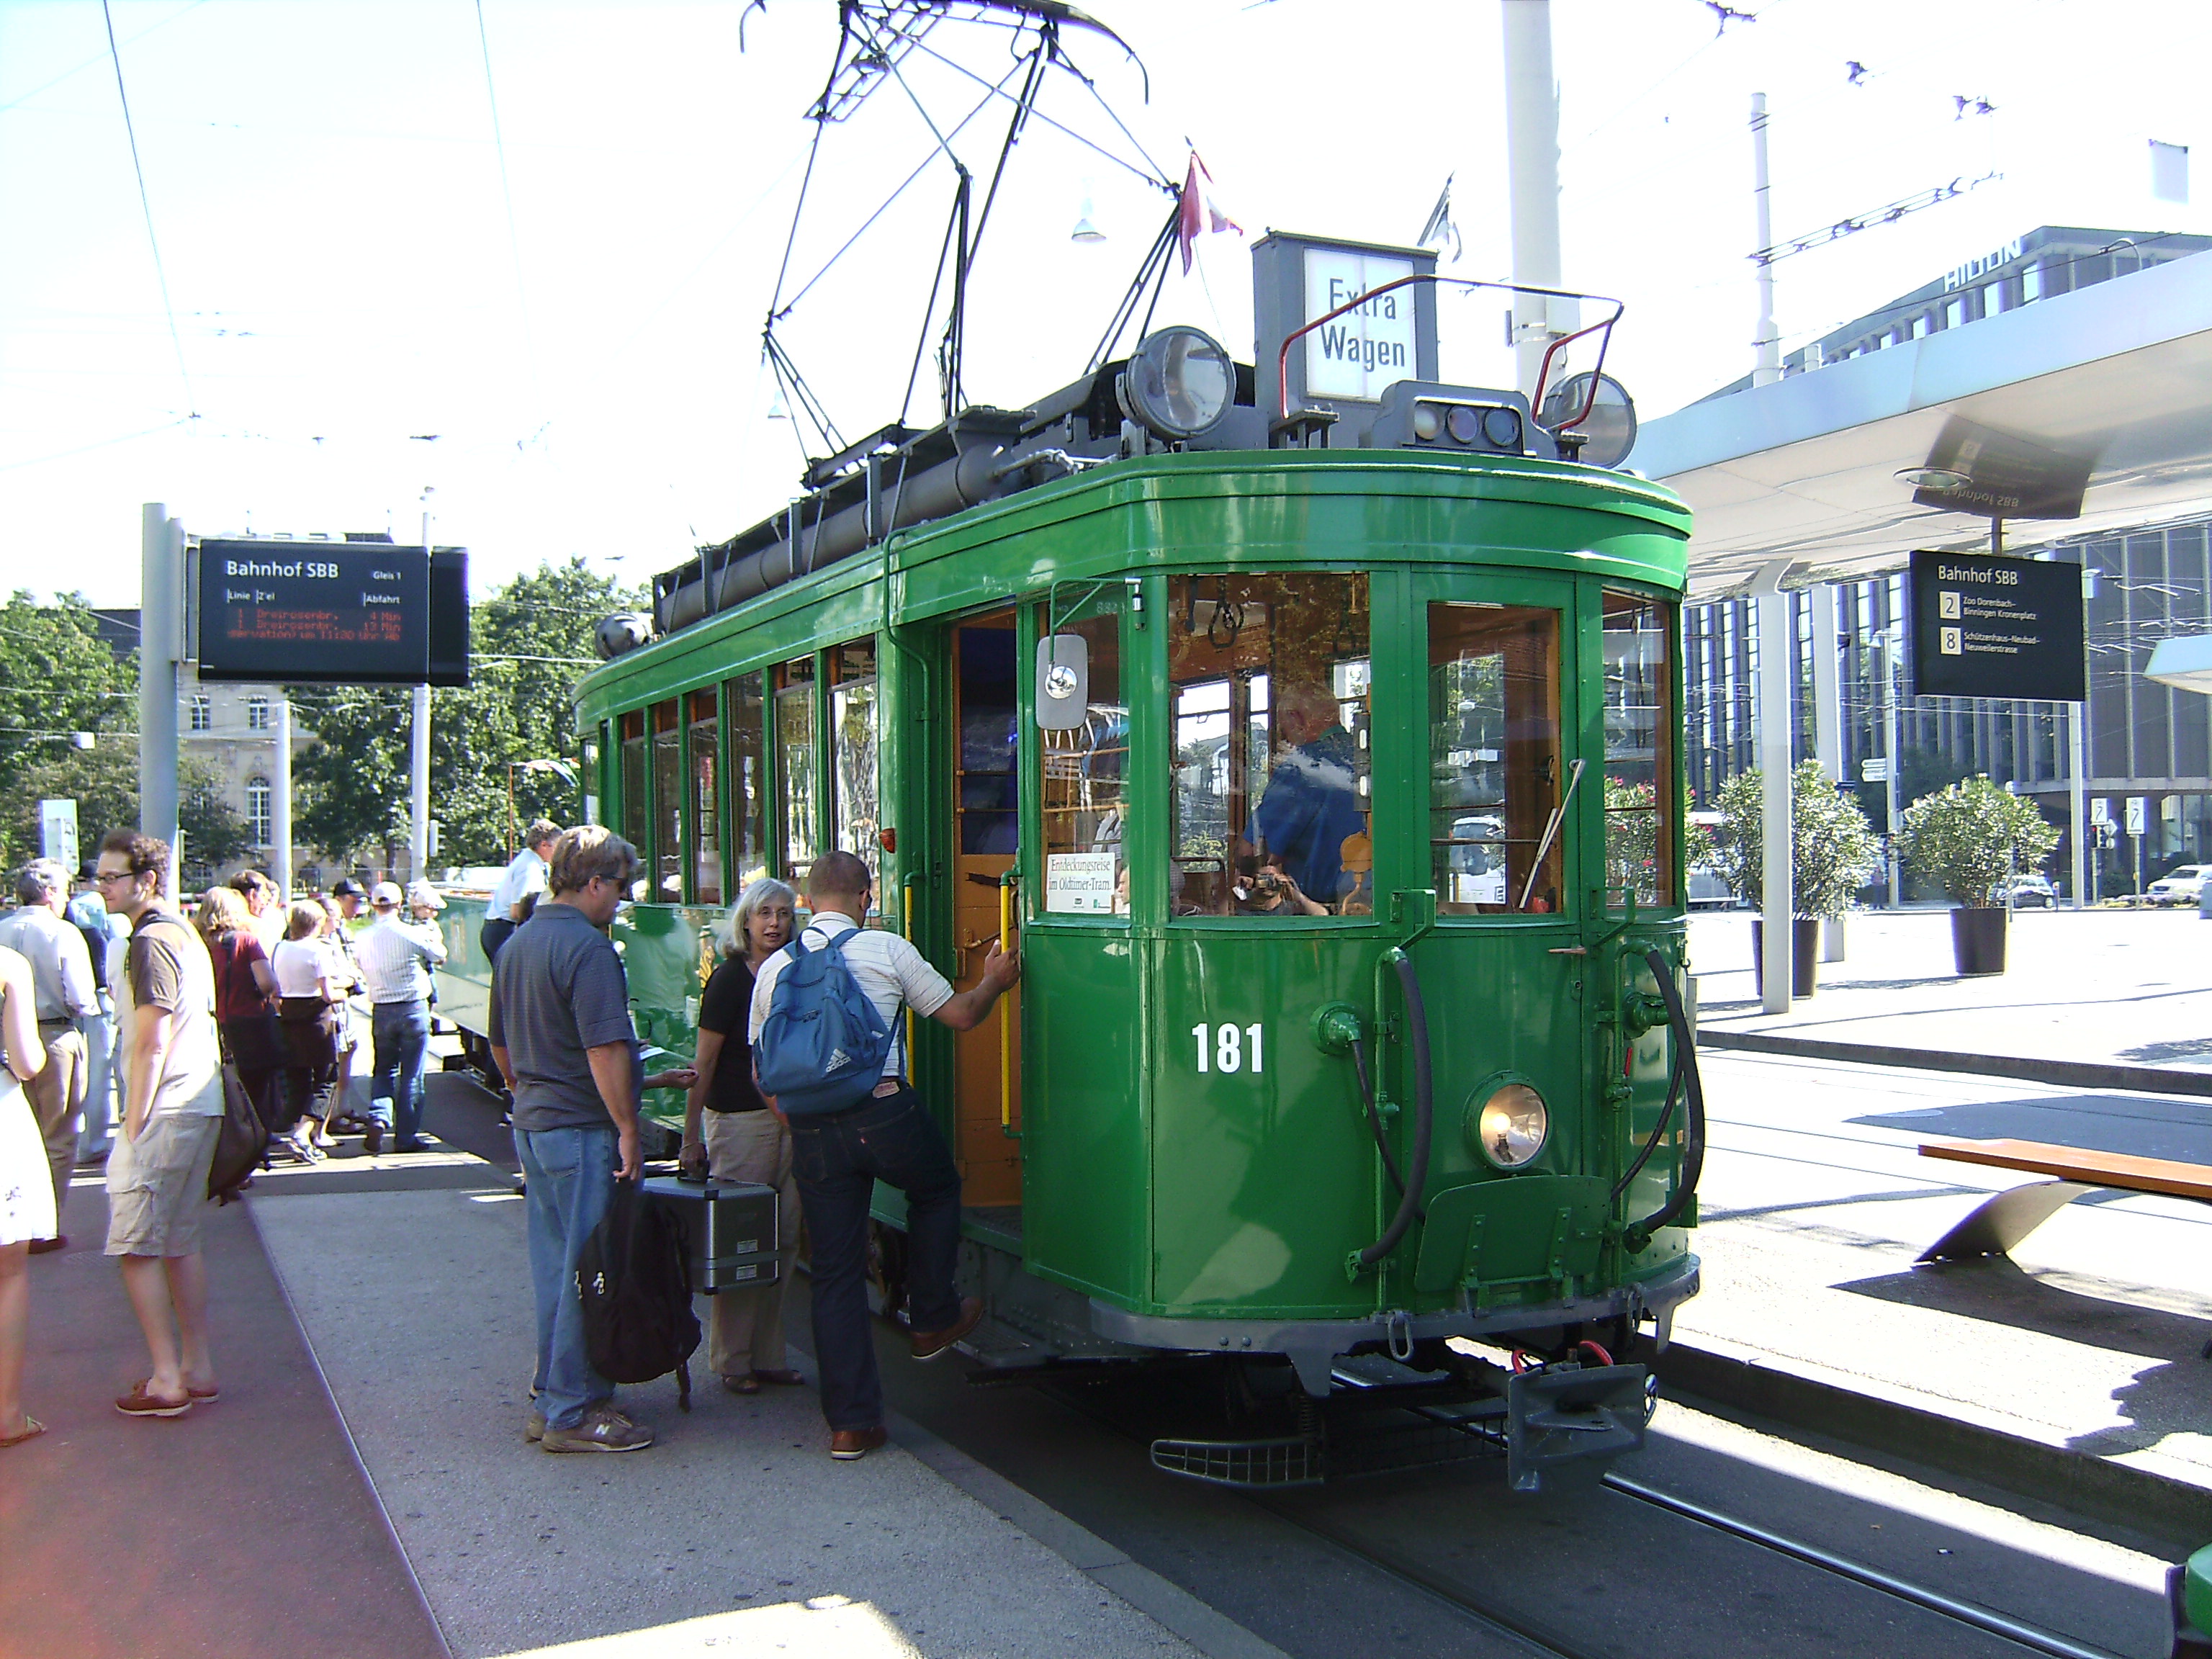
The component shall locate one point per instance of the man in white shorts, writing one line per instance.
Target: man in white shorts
(171, 1114)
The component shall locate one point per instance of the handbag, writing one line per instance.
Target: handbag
(242, 1143)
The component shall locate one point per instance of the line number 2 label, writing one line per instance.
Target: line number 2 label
(1222, 1048)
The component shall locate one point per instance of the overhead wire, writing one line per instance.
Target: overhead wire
(1122, 161)
(89, 62)
(146, 203)
(507, 195)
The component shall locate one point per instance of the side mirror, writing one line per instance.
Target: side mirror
(1063, 682)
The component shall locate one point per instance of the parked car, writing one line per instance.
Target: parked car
(2031, 893)
(2183, 884)
(1708, 888)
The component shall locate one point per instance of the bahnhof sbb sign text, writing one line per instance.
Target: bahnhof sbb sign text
(1983, 626)
(333, 613)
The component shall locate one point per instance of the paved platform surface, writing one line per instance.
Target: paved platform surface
(2084, 1345)
(2111, 988)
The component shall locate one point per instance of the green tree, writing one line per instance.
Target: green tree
(530, 641)
(1832, 848)
(102, 781)
(212, 833)
(1967, 838)
(58, 676)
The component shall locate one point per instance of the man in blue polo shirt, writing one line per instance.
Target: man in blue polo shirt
(561, 1032)
(1311, 804)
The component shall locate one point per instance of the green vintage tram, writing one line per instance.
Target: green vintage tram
(1332, 796)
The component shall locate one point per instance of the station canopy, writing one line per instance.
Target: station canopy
(2111, 382)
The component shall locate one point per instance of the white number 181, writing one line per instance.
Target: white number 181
(1227, 1046)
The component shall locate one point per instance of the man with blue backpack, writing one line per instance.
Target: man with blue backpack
(829, 1053)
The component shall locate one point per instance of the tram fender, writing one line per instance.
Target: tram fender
(1564, 1415)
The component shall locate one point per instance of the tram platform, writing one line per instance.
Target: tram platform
(2099, 998)
(363, 1490)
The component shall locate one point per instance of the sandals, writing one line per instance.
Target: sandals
(742, 1382)
(31, 1429)
(139, 1403)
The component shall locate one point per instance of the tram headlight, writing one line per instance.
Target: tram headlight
(1428, 422)
(1512, 1125)
(1179, 383)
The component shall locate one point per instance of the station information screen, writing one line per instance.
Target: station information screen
(1985, 626)
(337, 612)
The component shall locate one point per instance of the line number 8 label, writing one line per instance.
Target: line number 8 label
(1222, 1047)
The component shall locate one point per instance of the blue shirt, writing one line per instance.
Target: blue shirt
(1310, 805)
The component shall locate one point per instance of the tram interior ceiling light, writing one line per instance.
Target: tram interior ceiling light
(1512, 1126)
(1608, 429)
(1179, 383)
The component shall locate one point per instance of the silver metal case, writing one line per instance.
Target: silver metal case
(729, 1231)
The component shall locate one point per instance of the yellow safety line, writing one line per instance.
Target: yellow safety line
(1005, 1025)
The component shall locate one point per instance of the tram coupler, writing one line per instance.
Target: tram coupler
(1557, 1415)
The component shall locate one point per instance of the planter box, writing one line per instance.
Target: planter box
(1977, 940)
(1804, 954)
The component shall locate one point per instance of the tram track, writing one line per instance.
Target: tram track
(1422, 1575)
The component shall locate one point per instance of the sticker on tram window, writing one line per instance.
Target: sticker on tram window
(1228, 1049)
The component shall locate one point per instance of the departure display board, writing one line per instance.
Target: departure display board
(353, 613)
(1990, 627)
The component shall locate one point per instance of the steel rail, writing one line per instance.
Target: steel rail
(1965, 1612)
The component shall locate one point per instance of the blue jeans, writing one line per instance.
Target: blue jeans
(101, 1077)
(571, 1177)
(837, 1159)
(402, 1031)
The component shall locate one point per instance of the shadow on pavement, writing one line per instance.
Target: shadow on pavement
(2133, 1125)
(1998, 1290)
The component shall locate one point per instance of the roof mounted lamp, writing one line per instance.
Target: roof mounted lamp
(1180, 383)
(1594, 414)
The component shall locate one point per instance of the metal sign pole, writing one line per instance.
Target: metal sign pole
(2077, 791)
(280, 796)
(161, 646)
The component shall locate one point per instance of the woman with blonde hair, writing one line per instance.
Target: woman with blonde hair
(26, 1195)
(244, 1000)
(730, 1134)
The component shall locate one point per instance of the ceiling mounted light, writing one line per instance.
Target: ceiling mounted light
(1180, 383)
(1933, 477)
(1084, 231)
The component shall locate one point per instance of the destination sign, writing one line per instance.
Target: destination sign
(1990, 627)
(338, 612)
(1370, 346)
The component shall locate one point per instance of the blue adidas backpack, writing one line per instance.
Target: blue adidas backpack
(822, 1044)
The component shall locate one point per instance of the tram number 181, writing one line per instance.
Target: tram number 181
(1224, 1046)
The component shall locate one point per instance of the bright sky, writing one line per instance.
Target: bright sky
(352, 258)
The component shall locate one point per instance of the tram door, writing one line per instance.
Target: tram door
(985, 821)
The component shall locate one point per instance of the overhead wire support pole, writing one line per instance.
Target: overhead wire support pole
(1766, 367)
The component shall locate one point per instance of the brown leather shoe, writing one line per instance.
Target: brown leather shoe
(846, 1444)
(927, 1345)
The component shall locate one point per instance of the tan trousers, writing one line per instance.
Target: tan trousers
(745, 1328)
(56, 1096)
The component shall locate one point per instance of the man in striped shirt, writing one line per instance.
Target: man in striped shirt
(396, 957)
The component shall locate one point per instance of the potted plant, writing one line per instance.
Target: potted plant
(1964, 841)
(1831, 849)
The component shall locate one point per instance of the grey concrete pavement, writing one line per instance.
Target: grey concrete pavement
(1816, 1202)
(2110, 987)
(735, 1529)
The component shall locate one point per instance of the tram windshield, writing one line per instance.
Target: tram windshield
(1639, 819)
(1269, 677)
(1494, 776)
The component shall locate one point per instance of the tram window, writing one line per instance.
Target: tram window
(1640, 804)
(594, 746)
(1085, 787)
(1494, 770)
(856, 806)
(702, 735)
(795, 757)
(636, 786)
(748, 783)
(665, 861)
(1268, 676)
(990, 822)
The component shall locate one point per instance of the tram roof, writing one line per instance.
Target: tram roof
(2114, 376)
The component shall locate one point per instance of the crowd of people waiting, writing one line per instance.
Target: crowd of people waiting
(116, 1010)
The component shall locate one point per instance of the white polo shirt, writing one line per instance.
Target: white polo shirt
(524, 876)
(890, 972)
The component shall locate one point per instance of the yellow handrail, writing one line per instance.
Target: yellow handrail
(1005, 1025)
(907, 893)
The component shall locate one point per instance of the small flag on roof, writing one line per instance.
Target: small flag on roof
(1201, 212)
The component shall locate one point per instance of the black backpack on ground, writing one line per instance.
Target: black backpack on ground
(635, 1287)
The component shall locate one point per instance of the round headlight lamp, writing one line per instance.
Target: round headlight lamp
(1180, 383)
(1466, 423)
(1510, 1126)
(1502, 428)
(1428, 422)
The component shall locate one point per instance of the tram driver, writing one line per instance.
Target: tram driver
(1310, 806)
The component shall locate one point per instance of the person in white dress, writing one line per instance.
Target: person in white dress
(27, 1191)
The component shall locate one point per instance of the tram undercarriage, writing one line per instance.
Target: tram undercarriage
(1261, 1404)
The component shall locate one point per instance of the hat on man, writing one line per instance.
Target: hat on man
(385, 895)
(423, 897)
(349, 888)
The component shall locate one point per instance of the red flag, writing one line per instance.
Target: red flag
(1201, 213)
